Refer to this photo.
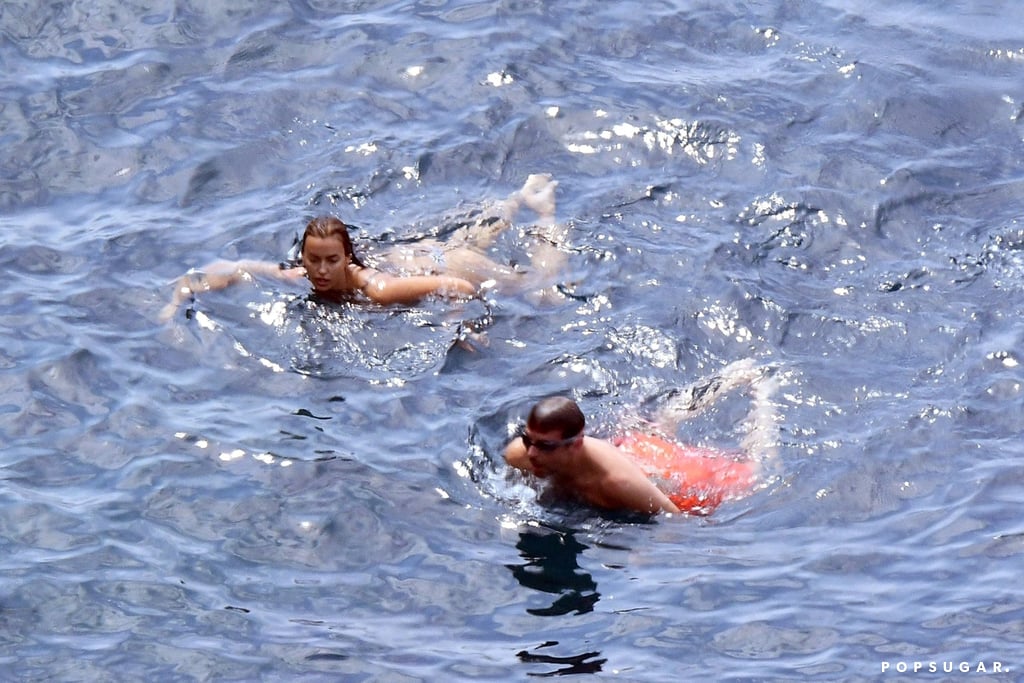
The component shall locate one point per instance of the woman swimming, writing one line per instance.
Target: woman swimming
(455, 268)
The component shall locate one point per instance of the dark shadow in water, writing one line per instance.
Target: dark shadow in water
(552, 567)
(574, 664)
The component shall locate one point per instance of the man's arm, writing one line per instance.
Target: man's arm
(640, 494)
(626, 486)
(515, 456)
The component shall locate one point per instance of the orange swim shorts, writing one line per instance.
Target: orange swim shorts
(696, 479)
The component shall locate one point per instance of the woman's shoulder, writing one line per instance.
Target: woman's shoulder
(365, 276)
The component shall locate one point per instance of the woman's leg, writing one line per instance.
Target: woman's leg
(464, 251)
(463, 254)
(547, 253)
(537, 193)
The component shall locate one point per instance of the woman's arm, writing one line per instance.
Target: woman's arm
(223, 274)
(392, 289)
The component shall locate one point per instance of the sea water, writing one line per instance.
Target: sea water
(265, 488)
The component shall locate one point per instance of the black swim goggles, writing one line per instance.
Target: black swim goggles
(545, 445)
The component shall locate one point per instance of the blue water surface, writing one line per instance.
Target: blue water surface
(267, 489)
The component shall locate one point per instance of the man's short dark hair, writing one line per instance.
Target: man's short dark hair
(557, 413)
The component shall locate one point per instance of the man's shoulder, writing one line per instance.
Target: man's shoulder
(606, 455)
(598, 445)
(515, 454)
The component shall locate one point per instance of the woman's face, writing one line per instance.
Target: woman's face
(326, 263)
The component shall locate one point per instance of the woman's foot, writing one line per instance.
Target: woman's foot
(538, 193)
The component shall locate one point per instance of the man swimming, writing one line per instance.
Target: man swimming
(641, 470)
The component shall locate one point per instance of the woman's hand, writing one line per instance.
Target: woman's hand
(220, 275)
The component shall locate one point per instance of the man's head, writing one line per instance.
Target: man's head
(553, 430)
(556, 414)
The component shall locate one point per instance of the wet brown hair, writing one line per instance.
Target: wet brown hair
(330, 226)
(557, 413)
